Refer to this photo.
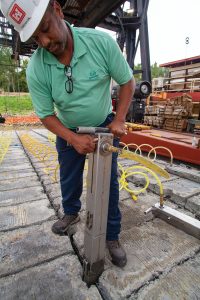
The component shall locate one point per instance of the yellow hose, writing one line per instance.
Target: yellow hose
(126, 147)
(124, 184)
(148, 145)
(161, 147)
(48, 157)
(155, 176)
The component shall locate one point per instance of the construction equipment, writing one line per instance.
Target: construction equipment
(137, 106)
(98, 185)
(98, 188)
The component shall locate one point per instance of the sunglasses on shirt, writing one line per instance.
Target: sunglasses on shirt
(69, 81)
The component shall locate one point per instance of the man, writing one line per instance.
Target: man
(70, 72)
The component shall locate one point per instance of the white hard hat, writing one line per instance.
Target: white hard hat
(24, 15)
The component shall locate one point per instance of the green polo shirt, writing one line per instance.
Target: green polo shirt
(96, 59)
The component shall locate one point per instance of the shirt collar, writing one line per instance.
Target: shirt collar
(79, 50)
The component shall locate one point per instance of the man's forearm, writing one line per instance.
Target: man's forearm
(125, 96)
(53, 124)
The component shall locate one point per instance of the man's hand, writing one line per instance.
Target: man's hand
(117, 128)
(84, 143)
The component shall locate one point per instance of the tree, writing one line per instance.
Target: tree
(22, 76)
(12, 77)
(137, 74)
(5, 74)
(156, 71)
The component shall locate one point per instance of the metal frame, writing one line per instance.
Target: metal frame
(97, 199)
(177, 219)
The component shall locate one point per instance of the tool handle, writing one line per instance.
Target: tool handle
(92, 130)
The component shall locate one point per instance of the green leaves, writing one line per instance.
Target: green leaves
(12, 77)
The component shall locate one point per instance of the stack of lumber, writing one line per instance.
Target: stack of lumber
(175, 124)
(154, 115)
(177, 110)
(196, 110)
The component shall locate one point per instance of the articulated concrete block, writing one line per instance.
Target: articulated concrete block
(17, 150)
(39, 165)
(15, 167)
(14, 163)
(153, 185)
(56, 203)
(180, 190)
(41, 172)
(19, 196)
(185, 172)
(44, 178)
(51, 187)
(193, 204)
(7, 174)
(25, 214)
(177, 189)
(26, 247)
(54, 193)
(182, 282)
(152, 179)
(133, 212)
(123, 194)
(17, 174)
(152, 248)
(19, 183)
(16, 155)
(57, 279)
(15, 159)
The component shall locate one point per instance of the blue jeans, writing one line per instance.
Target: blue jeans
(71, 181)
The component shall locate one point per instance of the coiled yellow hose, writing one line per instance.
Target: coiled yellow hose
(126, 173)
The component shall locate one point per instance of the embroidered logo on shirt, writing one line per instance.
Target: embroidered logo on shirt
(93, 75)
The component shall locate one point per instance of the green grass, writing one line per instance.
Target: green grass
(16, 105)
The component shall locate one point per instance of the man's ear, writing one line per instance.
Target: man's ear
(58, 10)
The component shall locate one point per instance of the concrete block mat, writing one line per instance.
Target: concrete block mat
(182, 282)
(55, 280)
(193, 204)
(185, 172)
(14, 167)
(19, 183)
(16, 175)
(151, 249)
(25, 214)
(26, 247)
(18, 196)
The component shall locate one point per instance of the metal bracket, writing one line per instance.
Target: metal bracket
(177, 219)
(92, 272)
